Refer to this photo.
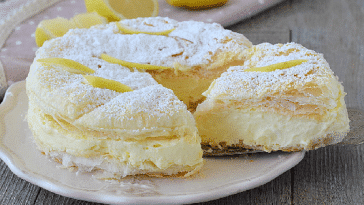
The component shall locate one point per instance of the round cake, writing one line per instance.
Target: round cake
(119, 97)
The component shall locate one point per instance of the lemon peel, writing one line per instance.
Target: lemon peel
(197, 4)
(127, 30)
(115, 10)
(128, 64)
(68, 65)
(104, 83)
(42, 36)
(277, 66)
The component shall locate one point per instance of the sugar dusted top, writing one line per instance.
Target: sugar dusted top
(190, 44)
(236, 84)
(151, 110)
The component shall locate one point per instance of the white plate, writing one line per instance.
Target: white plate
(220, 176)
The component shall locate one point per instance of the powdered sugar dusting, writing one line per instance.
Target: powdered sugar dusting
(156, 98)
(190, 44)
(148, 108)
(151, 24)
(237, 84)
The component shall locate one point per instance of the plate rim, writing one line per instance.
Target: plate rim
(8, 104)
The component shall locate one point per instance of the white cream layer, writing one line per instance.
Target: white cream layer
(269, 131)
(148, 155)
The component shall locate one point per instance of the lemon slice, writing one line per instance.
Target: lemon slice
(86, 20)
(197, 4)
(52, 28)
(99, 82)
(68, 65)
(128, 64)
(277, 66)
(126, 30)
(57, 27)
(115, 10)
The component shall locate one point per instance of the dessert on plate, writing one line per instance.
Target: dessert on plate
(118, 97)
(285, 97)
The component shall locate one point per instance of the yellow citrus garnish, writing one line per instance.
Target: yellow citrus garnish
(197, 4)
(127, 30)
(115, 10)
(57, 27)
(52, 28)
(100, 82)
(86, 20)
(128, 64)
(277, 66)
(67, 64)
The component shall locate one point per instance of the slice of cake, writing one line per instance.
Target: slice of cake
(285, 97)
(146, 131)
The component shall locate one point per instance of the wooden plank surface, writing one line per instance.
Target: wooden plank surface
(331, 175)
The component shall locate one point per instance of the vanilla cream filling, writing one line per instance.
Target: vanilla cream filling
(162, 154)
(269, 130)
(187, 89)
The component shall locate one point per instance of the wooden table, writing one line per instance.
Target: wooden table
(331, 175)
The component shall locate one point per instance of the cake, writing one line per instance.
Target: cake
(141, 96)
(285, 97)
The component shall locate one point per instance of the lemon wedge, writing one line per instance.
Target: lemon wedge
(57, 27)
(86, 20)
(197, 4)
(115, 10)
(99, 82)
(126, 30)
(52, 28)
(277, 66)
(68, 65)
(128, 64)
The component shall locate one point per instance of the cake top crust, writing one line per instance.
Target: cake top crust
(237, 84)
(154, 110)
(67, 94)
(190, 44)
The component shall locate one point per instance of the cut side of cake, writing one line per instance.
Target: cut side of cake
(285, 97)
(124, 136)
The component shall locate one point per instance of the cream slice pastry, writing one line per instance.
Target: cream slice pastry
(93, 113)
(285, 97)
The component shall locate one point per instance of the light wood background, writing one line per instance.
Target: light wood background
(331, 175)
